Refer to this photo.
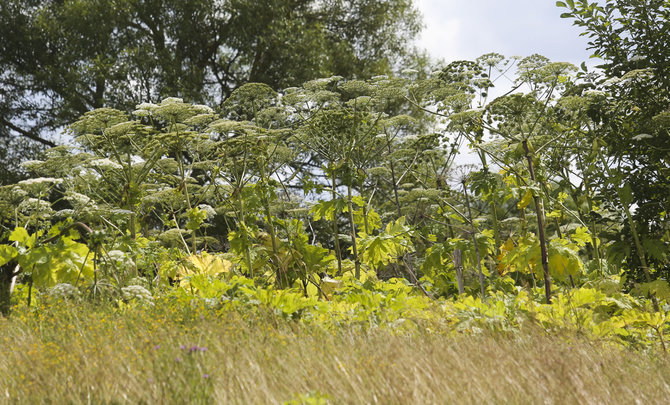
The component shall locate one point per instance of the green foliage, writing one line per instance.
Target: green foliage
(376, 201)
(66, 58)
(625, 112)
(388, 246)
(328, 209)
(189, 210)
(196, 217)
(48, 264)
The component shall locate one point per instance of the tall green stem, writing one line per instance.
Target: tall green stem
(336, 231)
(394, 182)
(354, 244)
(270, 223)
(474, 241)
(541, 227)
(240, 220)
(592, 223)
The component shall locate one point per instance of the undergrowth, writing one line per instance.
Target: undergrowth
(255, 345)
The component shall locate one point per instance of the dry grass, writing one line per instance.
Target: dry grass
(86, 355)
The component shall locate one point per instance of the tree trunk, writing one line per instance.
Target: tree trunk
(6, 276)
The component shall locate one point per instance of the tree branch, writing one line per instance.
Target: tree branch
(26, 133)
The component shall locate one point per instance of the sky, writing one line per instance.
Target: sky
(466, 29)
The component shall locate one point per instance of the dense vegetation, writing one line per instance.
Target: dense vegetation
(178, 352)
(337, 207)
(60, 59)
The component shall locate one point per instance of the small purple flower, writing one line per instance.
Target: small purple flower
(157, 347)
(182, 347)
(205, 376)
(177, 359)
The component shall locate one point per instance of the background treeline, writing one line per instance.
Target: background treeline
(60, 59)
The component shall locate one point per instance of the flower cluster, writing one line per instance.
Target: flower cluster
(137, 292)
(105, 164)
(64, 290)
(193, 349)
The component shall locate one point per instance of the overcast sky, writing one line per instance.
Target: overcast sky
(466, 29)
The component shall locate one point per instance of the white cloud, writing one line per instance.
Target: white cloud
(465, 29)
(443, 38)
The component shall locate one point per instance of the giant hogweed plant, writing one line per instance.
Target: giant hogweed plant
(180, 179)
(522, 121)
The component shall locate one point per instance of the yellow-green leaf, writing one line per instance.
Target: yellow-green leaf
(20, 235)
(7, 253)
(525, 200)
(581, 236)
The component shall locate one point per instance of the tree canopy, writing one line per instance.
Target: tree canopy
(61, 59)
(630, 113)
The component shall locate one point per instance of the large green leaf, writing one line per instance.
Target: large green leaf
(7, 253)
(328, 209)
(564, 260)
(20, 235)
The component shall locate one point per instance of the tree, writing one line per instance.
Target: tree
(631, 120)
(63, 58)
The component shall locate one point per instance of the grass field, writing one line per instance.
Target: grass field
(87, 354)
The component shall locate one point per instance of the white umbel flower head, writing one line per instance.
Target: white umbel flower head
(612, 81)
(120, 259)
(32, 164)
(203, 109)
(641, 137)
(39, 185)
(40, 181)
(144, 109)
(64, 290)
(137, 292)
(64, 213)
(35, 206)
(208, 209)
(105, 164)
(172, 100)
(77, 199)
(595, 93)
(146, 106)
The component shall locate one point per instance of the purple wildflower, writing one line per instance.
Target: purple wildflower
(196, 348)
